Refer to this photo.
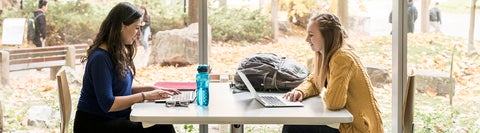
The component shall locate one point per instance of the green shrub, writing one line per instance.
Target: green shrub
(16, 12)
(226, 24)
(78, 22)
(164, 16)
(74, 22)
(67, 22)
(238, 24)
(298, 9)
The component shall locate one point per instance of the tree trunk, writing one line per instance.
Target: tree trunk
(192, 11)
(274, 19)
(471, 32)
(425, 11)
(343, 12)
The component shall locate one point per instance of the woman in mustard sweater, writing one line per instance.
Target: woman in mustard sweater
(341, 72)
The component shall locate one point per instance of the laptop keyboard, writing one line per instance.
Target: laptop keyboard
(271, 100)
(185, 95)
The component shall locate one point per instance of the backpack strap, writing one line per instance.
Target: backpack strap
(35, 18)
(278, 68)
(274, 80)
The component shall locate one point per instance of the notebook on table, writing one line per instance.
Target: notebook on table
(187, 91)
(265, 100)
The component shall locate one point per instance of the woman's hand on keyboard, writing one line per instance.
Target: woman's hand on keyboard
(172, 90)
(157, 94)
(293, 96)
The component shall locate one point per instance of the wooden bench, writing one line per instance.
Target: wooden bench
(36, 58)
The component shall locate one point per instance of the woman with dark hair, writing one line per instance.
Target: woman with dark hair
(107, 93)
(340, 71)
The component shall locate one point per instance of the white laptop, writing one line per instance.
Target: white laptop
(187, 91)
(183, 96)
(268, 101)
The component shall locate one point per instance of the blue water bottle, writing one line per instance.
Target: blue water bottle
(203, 82)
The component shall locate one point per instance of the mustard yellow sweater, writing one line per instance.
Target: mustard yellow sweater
(348, 87)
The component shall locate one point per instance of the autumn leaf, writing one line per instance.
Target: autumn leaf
(47, 88)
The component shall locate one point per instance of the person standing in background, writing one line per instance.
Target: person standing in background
(40, 24)
(145, 28)
(411, 17)
(435, 18)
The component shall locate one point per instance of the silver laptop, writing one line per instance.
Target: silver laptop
(268, 101)
(185, 95)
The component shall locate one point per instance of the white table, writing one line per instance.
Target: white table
(239, 108)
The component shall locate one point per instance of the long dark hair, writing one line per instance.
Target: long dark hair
(123, 13)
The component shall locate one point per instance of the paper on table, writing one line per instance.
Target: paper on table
(177, 85)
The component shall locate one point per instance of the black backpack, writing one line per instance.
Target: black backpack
(268, 72)
(31, 27)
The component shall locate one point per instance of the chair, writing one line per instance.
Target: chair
(65, 100)
(408, 105)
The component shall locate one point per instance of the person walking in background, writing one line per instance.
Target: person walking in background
(145, 28)
(341, 72)
(107, 93)
(435, 18)
(40, 24)
(412, 15)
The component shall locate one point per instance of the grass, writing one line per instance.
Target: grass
(431, 51)
(439, 116)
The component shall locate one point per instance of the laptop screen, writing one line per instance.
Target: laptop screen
(248, 84)
(268, 102)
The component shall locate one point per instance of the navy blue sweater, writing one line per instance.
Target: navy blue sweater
(100, 86)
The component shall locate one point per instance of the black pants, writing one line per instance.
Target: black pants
(308, 129)
(37, 41)
(89, 123)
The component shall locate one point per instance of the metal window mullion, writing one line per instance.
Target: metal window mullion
(399, 62)
(203, 33)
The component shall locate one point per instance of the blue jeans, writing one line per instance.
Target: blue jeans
(146, 33)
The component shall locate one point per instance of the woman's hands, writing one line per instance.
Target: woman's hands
(293, 96)
(157, 94)
(172, 90)
(160, 93)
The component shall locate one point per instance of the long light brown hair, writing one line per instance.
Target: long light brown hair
(334, 36)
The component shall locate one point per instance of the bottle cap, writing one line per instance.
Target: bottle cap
(202, 68)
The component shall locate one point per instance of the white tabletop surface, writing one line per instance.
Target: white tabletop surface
(238, 108)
